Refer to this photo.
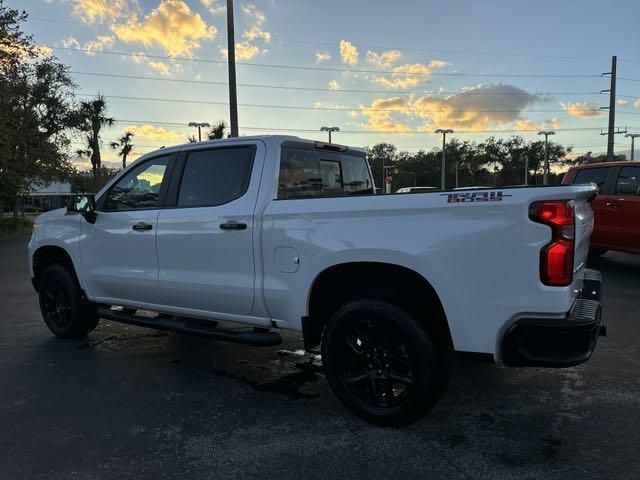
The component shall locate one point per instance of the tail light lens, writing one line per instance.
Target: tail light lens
(556, 257)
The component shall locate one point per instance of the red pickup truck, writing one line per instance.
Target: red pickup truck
(616, 208)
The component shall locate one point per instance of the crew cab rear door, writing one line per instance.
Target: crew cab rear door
(205, 237)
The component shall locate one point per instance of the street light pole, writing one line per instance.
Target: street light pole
(526, 170)
(231, 57)
(329, 129)
(442, 168)
(632, 136)
(199, 125)
(545, 171)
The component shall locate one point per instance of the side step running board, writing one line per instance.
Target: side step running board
(194, 327)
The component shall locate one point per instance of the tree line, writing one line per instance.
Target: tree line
(492, 162)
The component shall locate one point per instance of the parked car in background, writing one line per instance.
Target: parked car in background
(416, 189)
(31, 208)
(617, 206)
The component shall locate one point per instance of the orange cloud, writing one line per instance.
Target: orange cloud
(101, 10)
(408, 75)
(383, 59)
(171, 25)
(244, 51)
(151, 132)
(581, 109)
(348, 52)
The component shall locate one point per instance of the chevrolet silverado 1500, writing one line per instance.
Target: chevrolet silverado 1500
(276, 232)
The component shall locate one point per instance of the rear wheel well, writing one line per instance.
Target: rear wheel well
(49, 255)
(398, 285)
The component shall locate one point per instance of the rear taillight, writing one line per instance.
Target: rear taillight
(556, 257)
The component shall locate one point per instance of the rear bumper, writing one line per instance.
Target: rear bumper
(544, 342)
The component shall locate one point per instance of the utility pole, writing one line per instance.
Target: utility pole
(199, 125)
(444, 132)
(632, 136)
(329, 129)
(545, 170)
(231, 50)
(612, 107)
(526, 170)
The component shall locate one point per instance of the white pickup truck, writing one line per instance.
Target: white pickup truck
(279, 233)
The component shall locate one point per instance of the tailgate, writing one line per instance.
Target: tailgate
(583, 229)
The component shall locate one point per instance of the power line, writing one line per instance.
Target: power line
(341, 90)
(356, 132)
(342, 109)
(330, 69)
(381, 47)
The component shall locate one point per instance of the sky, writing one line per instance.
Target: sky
(380, 71)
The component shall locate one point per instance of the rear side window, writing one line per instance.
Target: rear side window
(628, 182)
(592, 175)
(215, 176)
(309, 173)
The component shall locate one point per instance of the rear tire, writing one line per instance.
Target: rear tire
(65, 310)
(382, 364)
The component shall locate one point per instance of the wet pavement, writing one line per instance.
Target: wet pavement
(129, 402)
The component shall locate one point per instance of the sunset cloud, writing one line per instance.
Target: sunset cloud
(150, 132)
(383, 59)
(379, 114)
(171, 25)
(322, 57)
(622, 101)
(581, 109)
(476, 108)
(348, 52)
(334, 85)
(637, 103)
(213, 6)
(256, 33)
(408, 75)
(92, 11)
(244, 51)
(531, 125)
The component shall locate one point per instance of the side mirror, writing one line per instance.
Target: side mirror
(83, 204)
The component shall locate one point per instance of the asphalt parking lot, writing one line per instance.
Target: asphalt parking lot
(133, 403)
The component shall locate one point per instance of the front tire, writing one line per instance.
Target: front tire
(64, 309)
(381, 363)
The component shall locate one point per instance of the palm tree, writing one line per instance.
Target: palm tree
(217, 131)
(91, 118)
(125, 145)
(192, 139)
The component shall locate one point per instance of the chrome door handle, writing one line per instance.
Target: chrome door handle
(612, 205)
(233, 225)
(142, 226)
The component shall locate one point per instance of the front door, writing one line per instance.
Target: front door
(206, 241)
(623, 210)
(119, 250)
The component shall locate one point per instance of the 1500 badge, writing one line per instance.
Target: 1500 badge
(468, 197)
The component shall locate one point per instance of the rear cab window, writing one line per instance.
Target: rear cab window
(307, 172)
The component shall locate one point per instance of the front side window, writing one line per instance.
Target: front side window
(628, 181)
(308, 173)
(140, 188)
(592, 175)
(216, 176)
